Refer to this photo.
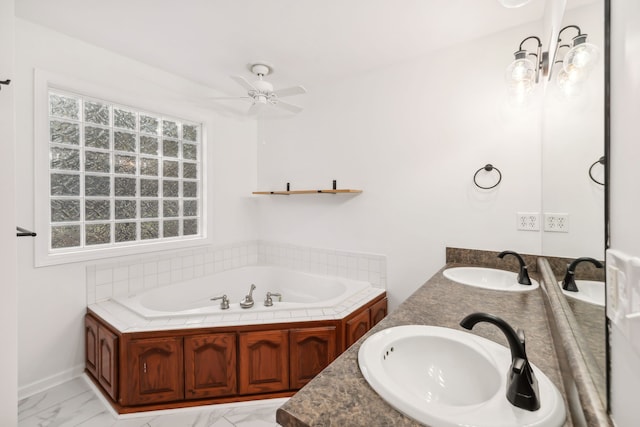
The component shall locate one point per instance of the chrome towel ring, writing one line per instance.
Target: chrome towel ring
(489, 168)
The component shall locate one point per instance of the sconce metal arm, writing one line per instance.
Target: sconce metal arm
(566, 28)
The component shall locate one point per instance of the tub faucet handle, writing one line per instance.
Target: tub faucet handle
(224, 304)
(268, 301)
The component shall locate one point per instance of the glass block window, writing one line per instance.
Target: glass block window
(119, 176)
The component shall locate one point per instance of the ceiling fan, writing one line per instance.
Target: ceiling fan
(261, 94)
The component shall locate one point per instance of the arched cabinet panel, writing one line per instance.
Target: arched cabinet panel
(155, 370)
(263, 361)
(210, 365)
(311, 350)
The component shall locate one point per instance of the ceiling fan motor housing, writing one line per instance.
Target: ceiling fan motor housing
(260, 69)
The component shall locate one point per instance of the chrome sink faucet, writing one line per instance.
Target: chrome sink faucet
(569, 281)
(522, 385)
(247, 301)
(523, 274)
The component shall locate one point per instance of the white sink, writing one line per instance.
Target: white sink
(590, 291)
(488, 278)
(446, 377)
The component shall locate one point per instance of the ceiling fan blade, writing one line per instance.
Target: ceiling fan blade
(218, 98)
(288, 107)
(294, 90)
(243, 82)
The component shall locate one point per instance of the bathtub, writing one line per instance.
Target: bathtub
(193, 297)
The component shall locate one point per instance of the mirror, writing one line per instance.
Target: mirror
(573, 141)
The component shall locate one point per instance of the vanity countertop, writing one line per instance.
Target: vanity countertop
(340, 396)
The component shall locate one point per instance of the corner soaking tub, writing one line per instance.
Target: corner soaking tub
(173, 347)
(193, 297)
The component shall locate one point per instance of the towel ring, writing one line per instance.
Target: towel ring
(601, 161)
(489, 167)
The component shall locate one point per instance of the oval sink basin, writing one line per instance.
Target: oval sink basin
(488, 278)
(590, 291)
(446, 377)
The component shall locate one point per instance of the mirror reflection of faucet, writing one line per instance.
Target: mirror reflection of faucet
(247, 301)
(569, 282)
(268, 301)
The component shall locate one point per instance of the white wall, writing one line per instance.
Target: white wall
(411, 136)
(573, 135)
(52, 300)
(8, 302)
(624, 196)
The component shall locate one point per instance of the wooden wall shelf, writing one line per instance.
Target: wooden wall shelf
(287, 193)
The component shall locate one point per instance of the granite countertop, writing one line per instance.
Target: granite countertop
(340, 396)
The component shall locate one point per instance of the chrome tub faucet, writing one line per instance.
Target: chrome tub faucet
(247, 301)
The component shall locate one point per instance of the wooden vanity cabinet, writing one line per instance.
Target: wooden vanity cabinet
(176, 368)
(263, 361)
(210, 365)
(108, 361)
(378, 311)
(91, 345)
(101, 354)
(356, 327)
(154, 371)
(310, 351)
(359, 323)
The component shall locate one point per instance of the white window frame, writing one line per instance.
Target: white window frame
(44, 256)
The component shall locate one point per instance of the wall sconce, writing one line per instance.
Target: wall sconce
(524, 73)
(577, 63)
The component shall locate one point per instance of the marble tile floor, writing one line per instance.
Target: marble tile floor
(76, 403)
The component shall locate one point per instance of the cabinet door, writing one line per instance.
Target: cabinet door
(311, 350)
(356, 327)
(155, 371)
(263, 362)
(210, 365)
(108, 361)
(378, 311)
(91, 345)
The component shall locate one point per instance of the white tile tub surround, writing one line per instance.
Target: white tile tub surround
(126, 276)
(326, 262)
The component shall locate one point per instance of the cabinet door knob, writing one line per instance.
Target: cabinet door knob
(144, 367)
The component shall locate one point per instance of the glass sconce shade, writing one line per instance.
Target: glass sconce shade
(520, 71)
(570, 82)
(582, 56)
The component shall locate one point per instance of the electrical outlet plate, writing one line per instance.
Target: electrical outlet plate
(556, 222)
(529, 221)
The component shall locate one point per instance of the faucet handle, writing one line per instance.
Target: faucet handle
(268, 301)
(224, 304)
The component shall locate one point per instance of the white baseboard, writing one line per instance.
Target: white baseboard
(52, 381)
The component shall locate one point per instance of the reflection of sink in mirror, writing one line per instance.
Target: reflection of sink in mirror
(488, 278)
(590, 291)
(446, 377)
